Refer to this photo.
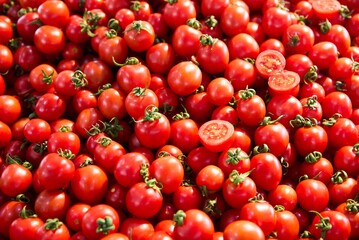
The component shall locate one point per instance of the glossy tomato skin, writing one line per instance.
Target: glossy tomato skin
(90, 224)
(267, 172)
(9, 211)
(339, 222)
(287, 225)
(243, 229)
(60, 231)
(52, 204)
(75, 214)
(312, 195)
(176, 14)
(143, 201)
(315, 135)
(196, 225)
(352, 217)
(25, 228)
(15, 180)
(49, 39)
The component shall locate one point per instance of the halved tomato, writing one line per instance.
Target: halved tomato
(269, 62)
(325, 9)
(216, 135)
(285, 82)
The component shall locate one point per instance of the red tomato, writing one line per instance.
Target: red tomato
(49, 39)
(99, 221)
(285, 82)
(216, 135)
(53, 229)
(193, 224)
(15, 180)
(312, 195)
(243, 229)
(139, 36)
(52, 204)
(269, 62)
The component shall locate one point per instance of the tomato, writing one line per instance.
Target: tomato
(52, 203)
(238, 188)
(243, 229)
(269, 62)
(144, 200)
(75, 214)
(194, 224)
(212, 55)
(54, 13)
(6, 134)
(338, 225)
(341, 188)
(255, 212)
(178, 12)
(111, 103)
(199, 106)
(352, 215)
(127, 169)
(186, 40)
(234, 19)
(184, 78)
(275, 21)
(216, 135)
(89, 184)
(312, 195)
(267, 171)
(138, 100)
(341, 132)
(153, 129)
(49, 39)
(53, 229)
(287, 225)
(15, 179)
(325, 9)
(318, 167)
(160, 58)
(298, 39)
(214, 8)
(323, 54)
(167, 170)
(273, 134)
(136, 228)
(285, 82)
(220, 91)
(240, 73)
(133, 74)
(345, 158)
(139, 36)
(285, 107)
(99, 221)
(25, 226)
(10, 108)
(97, 73)
(242, 46)
(7, 59)
(86, 119)
(27, 57)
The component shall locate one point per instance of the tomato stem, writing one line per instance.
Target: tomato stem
(210, 207)
(285, 165)
(13, 160)
(345, 12)
(235, 156)
(207, 40)
(179, 217)
(129, 61)
(47, 79)
(267, 120)
(352, 205)
(27, 213)
(279, 208)
(79, 79)
(137, 26)
(339, 177)
(331, 121)
(313, 157)
(261, 149)
(211, 22)
(311, 102)
(104, 141)
(66, 153)
(247, 93)
(89, 22)
(22, 198)
(102, 89)
(104, 225)
(113, 24)
(324, 224)
(300, 121)
(325, 26)
(86, 162)
(236, 178)
(194, 23)
(52, 224)
(311, 75)
(112, 127)
(136, 6)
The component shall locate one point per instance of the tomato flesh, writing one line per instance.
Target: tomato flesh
(286, 82)
(216, 135)
(269, 62)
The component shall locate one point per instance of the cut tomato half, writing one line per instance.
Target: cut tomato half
(325, 9)
(269, 62)
(216, 135)
(285, 82)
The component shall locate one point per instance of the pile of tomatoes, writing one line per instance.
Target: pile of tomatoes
(179, 119)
